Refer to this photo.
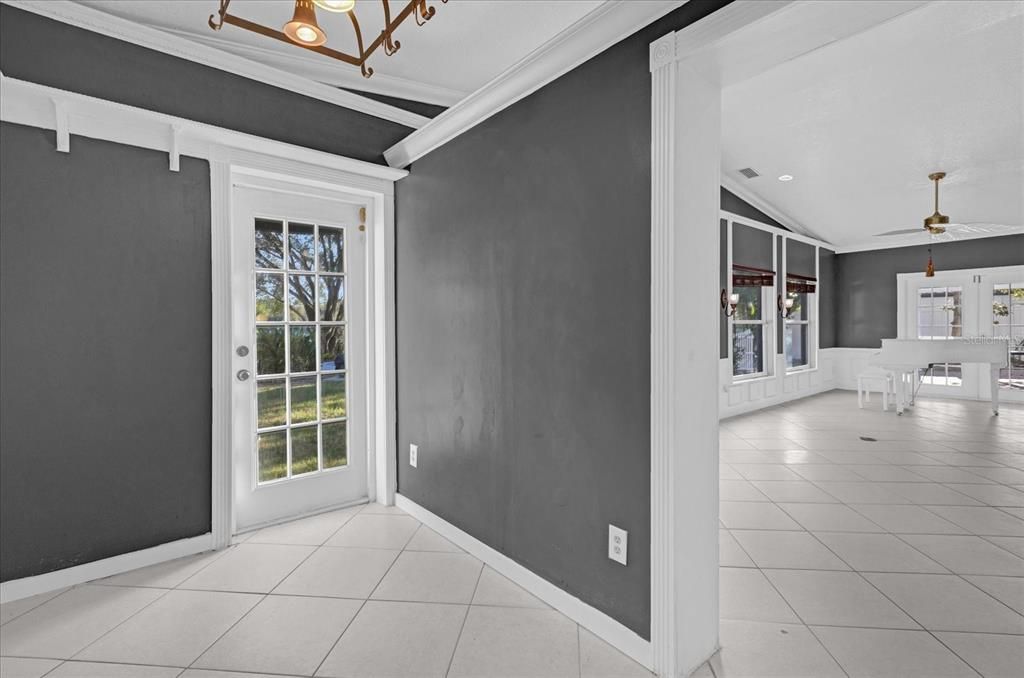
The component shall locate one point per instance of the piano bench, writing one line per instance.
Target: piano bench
(866, 380)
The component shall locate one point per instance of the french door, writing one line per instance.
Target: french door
(298, 328)
(977, 303)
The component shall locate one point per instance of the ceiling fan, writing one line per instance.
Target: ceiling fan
(938, 224)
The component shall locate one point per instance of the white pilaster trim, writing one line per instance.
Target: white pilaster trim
(600, 624)
(16, 589)
(100, 22)
(606, 25)
(663, 397)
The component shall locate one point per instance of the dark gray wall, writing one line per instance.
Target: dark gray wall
(104, 351)
(524, 327)
(866, 281)
(51, 53)
(751, 247)
(417, 107)
(800, 258)
(827, 296)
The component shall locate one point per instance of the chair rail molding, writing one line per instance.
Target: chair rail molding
(100, 22)
(601, 28)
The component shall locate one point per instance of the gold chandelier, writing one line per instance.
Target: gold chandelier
(304, 30)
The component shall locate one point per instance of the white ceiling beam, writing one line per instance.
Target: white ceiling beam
(161, 41)
(591, 35)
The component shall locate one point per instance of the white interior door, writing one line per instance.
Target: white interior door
(299, 331)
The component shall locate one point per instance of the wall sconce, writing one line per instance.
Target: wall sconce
(785, 306)
(730, 301)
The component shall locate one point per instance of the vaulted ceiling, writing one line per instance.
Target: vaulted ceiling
(465, 45)
(860, 123)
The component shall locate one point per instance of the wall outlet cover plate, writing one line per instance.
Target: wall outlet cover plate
(618, 544)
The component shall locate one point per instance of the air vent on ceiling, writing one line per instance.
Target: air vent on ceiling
(749, 172)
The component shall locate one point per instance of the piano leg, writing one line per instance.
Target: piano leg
(901, 390)
(995, 390)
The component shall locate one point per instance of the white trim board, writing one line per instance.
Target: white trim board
(69, 113)
(625, 640)
(745, 194)
(319, 68)
(922, 240)
(16, 589)
(151, 38)
(591, 35)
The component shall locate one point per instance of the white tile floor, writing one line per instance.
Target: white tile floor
(900, 557)
(360, 593)
(840, 557)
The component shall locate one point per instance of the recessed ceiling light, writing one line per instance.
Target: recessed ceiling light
(786, 177)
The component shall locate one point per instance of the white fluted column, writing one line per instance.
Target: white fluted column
(685, 151)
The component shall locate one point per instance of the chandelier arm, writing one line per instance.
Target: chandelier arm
(221, 12)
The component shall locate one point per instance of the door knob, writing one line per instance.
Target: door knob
(242, 375)
(242, 351)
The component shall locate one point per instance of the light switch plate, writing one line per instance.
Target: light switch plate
(413, 453)
(618, 543)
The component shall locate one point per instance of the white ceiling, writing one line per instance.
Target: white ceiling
(861, 122)
(465, 45)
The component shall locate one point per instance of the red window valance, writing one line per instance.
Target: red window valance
(750, 276)
(797, 284)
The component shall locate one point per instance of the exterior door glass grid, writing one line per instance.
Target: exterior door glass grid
(301, 394)
(1008, 321)
(940, 316)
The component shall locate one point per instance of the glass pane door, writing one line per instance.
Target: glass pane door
(301, 395)
(940, 316)
(1008, 322)
(298, 302)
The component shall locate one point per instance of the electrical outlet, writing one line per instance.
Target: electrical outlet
(413, 453)
(618, 542)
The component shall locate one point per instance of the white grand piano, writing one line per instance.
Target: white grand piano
(908, 359)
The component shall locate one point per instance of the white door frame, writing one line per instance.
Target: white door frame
(230, 167)
(689, 68)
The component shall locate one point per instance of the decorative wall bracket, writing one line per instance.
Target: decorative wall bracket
(420, 10)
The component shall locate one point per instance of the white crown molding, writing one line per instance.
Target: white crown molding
(922, 240)
(73, 114)
(151, 38)
(748, 196)
(322, 69)
(595, 32)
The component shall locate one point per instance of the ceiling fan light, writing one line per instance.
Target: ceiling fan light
(336, 5)
(303, 28)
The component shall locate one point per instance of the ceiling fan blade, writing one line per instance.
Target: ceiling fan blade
(980, 227)
(904, 231)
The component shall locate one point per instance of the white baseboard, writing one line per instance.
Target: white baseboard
(595, 621)
(16, 589)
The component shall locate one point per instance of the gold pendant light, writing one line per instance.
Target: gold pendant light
(929, 271)
(936, 223)
(303, 28)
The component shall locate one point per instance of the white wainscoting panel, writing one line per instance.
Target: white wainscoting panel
(834, 364)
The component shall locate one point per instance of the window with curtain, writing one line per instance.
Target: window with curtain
(798, 328)
(748, 328)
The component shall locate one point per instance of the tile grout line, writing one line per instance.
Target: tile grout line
(462, 627)
(790, 606)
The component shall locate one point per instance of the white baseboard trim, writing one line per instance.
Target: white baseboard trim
(595, 621)
(16, 589)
